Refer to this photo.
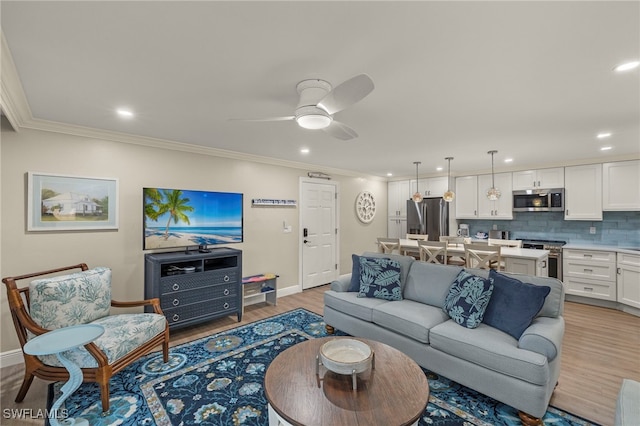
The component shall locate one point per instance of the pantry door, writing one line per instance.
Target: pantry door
(318, 232)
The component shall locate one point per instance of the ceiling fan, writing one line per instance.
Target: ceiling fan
(319, 101)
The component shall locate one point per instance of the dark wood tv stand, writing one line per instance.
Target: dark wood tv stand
(194, 287)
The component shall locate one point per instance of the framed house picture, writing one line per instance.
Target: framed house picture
(71, 203)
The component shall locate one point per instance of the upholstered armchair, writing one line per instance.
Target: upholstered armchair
(82, 297)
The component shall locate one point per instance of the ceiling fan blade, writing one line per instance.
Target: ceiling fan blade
(291, 117)
(340, 131)
(347, 93)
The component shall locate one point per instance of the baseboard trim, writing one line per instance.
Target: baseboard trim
(10, 358)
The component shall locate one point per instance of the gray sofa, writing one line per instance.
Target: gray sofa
(520, 373)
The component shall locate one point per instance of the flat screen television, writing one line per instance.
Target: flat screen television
(177, 218)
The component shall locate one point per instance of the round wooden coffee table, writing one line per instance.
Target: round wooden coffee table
(395, 392)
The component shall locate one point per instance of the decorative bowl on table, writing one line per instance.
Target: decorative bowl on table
(344, 356)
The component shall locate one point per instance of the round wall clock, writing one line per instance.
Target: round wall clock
(365, 207)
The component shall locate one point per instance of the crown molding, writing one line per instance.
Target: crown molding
(16, 108)
(12, 99)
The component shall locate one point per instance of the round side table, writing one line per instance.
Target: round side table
(56, 342)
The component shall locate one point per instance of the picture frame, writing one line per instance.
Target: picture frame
(71, 203)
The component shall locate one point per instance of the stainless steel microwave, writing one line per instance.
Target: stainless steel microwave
(539, 200)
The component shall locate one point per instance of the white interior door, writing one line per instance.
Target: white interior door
(318, 233)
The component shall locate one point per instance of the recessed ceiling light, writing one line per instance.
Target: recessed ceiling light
(389, 174)
(606, 148)
(603, 135)
(439, 169)
(125, 113)
(627, 66)
(304, 150)
(508, 160)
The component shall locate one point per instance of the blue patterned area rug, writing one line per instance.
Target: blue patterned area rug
(218, 380)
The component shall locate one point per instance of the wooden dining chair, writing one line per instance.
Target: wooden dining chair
(482, 256)
(388, 245)
(410, 251)
(505, 243)
(433, 251)
(454, 242)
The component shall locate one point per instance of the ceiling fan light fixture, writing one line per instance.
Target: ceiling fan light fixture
(313, 118)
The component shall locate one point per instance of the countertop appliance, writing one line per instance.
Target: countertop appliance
(430, 216)
(555, 253)
(499, 235)
(463, 230)
(539, 200)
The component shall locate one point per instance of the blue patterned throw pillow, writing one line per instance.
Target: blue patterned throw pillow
(467, 299)
(380, 278)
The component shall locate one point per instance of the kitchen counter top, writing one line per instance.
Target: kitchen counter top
(587, 246)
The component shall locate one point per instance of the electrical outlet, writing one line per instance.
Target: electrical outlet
(592, 230)
(495, 227)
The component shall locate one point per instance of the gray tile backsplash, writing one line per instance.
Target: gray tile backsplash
(616, 228)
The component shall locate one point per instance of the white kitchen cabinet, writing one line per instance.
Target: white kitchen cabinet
(583, 192)
(430, 187)
(590, 273)
(466, 197)
(621, 185)
(397, 227)
(538, 268)
(539, 179)
(501, 209)
(629, 279)
(398, 192)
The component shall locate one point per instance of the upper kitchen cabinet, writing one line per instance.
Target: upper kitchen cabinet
(430, 187)
(583, 192)
(502, 208)
(539, 179)
(466, 197)
(621, 185)
(398, 193)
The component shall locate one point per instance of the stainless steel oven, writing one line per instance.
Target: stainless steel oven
(555, 254)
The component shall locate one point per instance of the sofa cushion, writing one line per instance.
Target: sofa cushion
(490, 348)
(379, 278)
(513, 304)
(350, 303)
(429, 282)
(122, 334)
(409, 318)
(404, 261)
(71, 299)
(467, 299)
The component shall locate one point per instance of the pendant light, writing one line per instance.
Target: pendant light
(449, 195)
(417, 197)
(492, 193)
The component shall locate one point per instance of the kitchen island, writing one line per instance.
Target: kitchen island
(516, 260)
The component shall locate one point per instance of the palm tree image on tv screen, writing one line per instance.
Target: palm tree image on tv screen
(181, 218)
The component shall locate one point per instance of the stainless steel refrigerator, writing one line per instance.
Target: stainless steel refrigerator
(430, 216)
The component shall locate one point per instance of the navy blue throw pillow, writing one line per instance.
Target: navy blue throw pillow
(354, 285)
(514, 304)
(380, 278)
(467, 299)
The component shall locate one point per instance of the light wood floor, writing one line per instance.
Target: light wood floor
(601, 347)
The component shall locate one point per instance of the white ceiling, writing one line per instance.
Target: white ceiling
(533, 80)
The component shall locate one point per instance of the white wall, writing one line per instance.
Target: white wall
(266, 248)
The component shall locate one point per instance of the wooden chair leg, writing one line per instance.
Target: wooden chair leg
(529, 420)
(24, 388)
(104, 397)
(165, 351)
(329, 328)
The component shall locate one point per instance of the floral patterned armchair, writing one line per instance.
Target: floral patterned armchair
(83, 298)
